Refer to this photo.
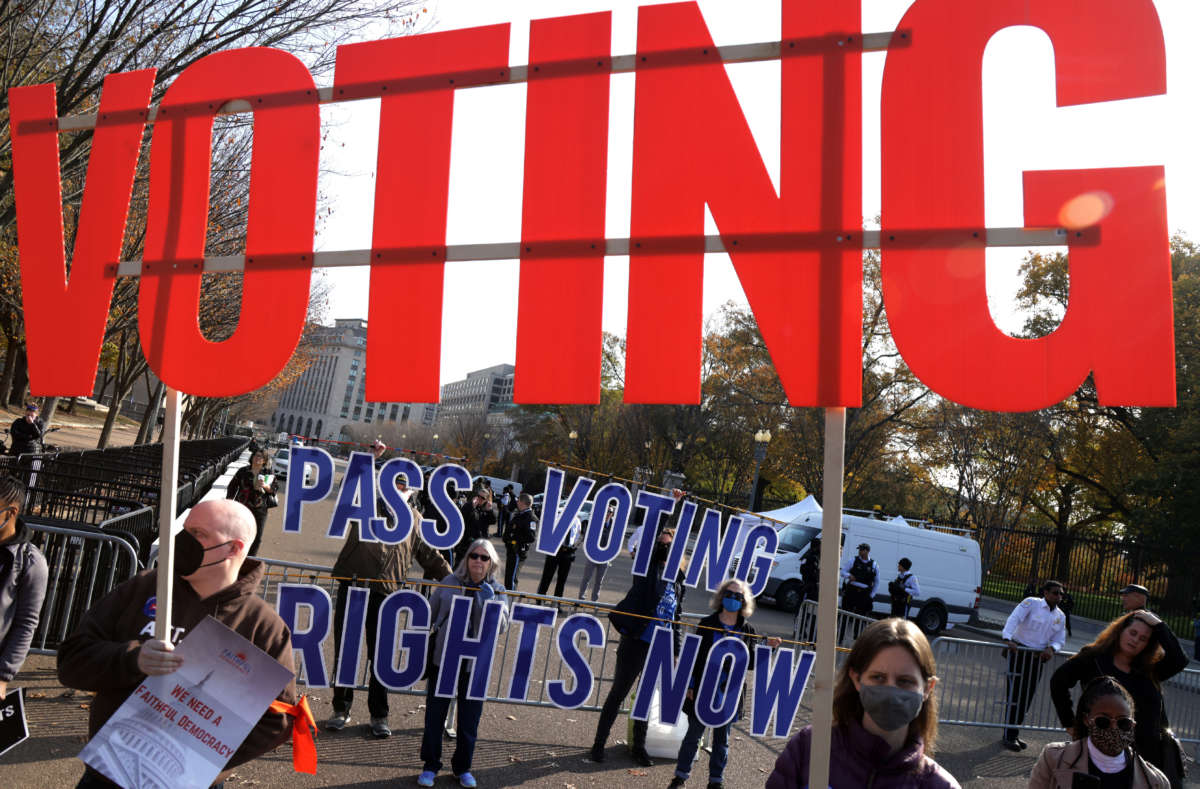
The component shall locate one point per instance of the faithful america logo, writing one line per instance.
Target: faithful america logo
(236, 659)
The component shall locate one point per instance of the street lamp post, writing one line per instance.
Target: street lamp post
(435, 440)
(673, 478)
(571, 447)
(761, 438)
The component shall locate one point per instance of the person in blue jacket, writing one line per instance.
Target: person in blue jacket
(476, 577)
(651, 603)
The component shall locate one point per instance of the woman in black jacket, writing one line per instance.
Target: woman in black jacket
(732, 605)
(1139, 651)
(650, 603)
(256, 487)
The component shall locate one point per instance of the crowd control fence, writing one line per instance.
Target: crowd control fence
(84, 565)
(93, 486)
(849, 625)
(95, 516)
(974, 690)
(546, 665)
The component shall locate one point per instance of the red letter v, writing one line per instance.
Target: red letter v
(64, 321)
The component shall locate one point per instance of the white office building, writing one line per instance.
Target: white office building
(330, 393)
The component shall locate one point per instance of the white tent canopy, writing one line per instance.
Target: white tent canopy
(784, 515)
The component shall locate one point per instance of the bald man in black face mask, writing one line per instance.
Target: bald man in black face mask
(114, 648)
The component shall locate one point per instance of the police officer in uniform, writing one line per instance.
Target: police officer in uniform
(810, 577)
(903, 588)
(1035, 630)
(860, 575)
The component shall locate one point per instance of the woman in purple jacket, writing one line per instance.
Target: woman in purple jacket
(884, 715)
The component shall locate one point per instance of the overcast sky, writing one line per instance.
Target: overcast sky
(1023, 131)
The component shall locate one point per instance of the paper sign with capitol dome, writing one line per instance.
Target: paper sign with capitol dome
(180, 729)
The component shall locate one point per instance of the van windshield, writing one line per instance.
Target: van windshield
(793, 538)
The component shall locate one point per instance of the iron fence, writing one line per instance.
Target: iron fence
(545, 667)
(1093, 569)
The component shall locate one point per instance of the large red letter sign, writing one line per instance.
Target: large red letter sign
(1119, 322)
(416, 77)
(279, 239)
(64, 319)
(800, 268)
(566, 164)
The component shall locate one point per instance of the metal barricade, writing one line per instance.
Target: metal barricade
(849, 625)
(141, 524)
(1181, 699)
(979, 684)
(546, 665)
(83, 567)
(974, 689)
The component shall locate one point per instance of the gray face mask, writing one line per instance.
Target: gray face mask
(890, 707)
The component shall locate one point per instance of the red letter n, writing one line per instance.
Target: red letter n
(799, 255)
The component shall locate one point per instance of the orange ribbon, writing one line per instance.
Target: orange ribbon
(304, 727)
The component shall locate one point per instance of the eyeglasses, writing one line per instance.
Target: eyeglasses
(1102, 722)
(735, 596)
(479, 557)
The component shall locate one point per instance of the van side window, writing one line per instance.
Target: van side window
(793, 538)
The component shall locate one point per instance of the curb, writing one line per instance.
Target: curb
(979, 629)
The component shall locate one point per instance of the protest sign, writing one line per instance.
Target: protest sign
(180, 729)
(13, 728)
(796, 229)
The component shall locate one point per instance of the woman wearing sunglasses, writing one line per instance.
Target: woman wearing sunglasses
(475, 577)
(732, 605)
(1139, 651)
(1101, 755)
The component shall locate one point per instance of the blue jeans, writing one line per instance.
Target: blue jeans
(691, 741)
(469, 713)
(377, 694)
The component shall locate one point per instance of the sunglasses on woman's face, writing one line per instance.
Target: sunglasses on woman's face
(735, 596)
(480, 557)
(1102, 722)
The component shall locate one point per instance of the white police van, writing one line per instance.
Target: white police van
(947, 566)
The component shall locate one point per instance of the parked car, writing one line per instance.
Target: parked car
(946, 565)
(280, 467)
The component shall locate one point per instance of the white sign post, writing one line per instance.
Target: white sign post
(167, 503)
(831, 543)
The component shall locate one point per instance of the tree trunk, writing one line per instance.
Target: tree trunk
(48, 409)
(114, 408)
(10, 366)
(149, 419)
(21, 378)
(111, 417)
